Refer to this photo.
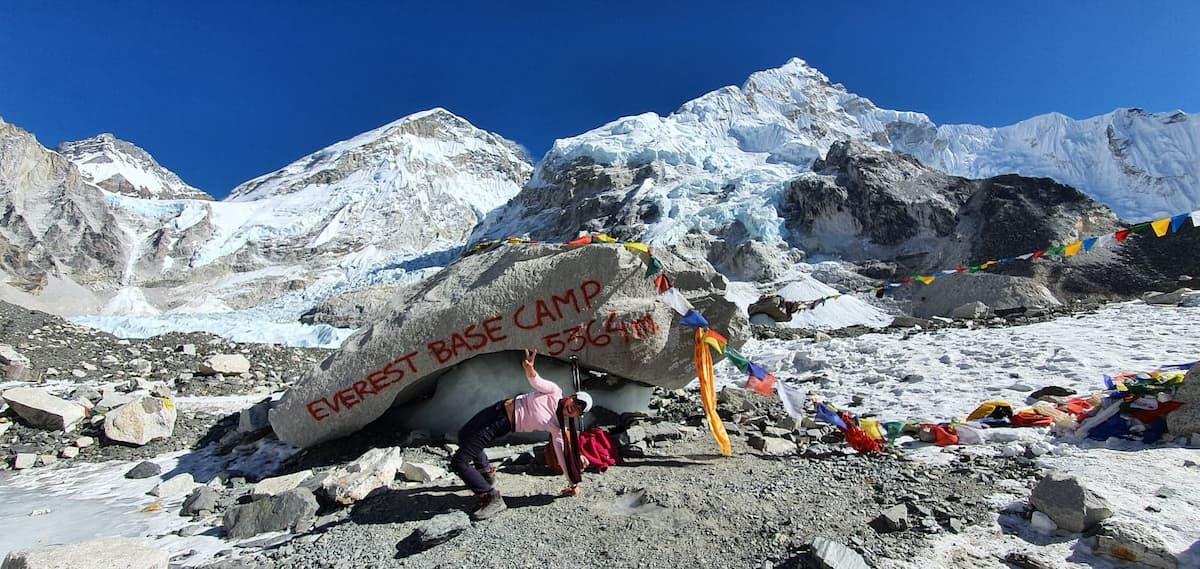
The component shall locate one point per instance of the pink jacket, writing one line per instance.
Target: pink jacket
(537, 411)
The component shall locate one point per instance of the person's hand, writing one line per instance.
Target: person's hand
(583, 460)
(571, 490)
(530, 356)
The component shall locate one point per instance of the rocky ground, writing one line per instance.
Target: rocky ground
(792, 494)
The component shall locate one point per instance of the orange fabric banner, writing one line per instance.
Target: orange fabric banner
(708, 393)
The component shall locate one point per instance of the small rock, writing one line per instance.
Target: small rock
(441, 528)
(280, 484)
(417, 472)
(105, 552)
(227, 364)
(892, 519)
(633, 434)
(186, 349)
(24, 460)
(945, 359)
(202, 499)
(87, 366)
(84, 442)
(69, 452)
(174, 486)
(1023, 560)
(1066, 501)
(1165, 492)
(1042, 523)
(78, 373)
(276, 513)
(140, 366)
(375, 469)
(916, 377)
(1134, 543)
(829, 554)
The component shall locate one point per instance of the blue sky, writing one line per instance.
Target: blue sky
(222, 91)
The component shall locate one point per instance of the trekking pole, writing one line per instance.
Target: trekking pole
(575, 373)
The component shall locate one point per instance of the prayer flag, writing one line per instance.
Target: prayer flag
(1073, 249)
(792, 398)
(961, 270)
(694, 319)
(828, 415)
(1089, 243)
(1121, 235)
(653, 267)
(585, 240)
(757, 371)
(1161, 226)
(662, 283)
(1025, 257)
(1105, 239)
(926, 279)
(765, 387)
(708, 394)
(1039, 255)
(673, 298)
(1140, 227)
(975, 268)
(1178, 221)
(949, 271)
(604, 238)
(637, 247)
(1057, 251)
(737, 359)
(716, 340)
(989, 264)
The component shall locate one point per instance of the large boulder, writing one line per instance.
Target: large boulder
(373, 470)
(1072, 506)
(999, 292)
(43, 410)
(594, 302)
(1185, 421)
(13, 365)
(109, 552)
(140, 421)
(275, 513)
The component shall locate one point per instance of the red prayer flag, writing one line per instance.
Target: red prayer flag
(585, 240)
(1121, 235)
(662, 283)
(1038, 255)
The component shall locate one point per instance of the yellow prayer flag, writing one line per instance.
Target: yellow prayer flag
(715, 345)
(637, 247)
(926, 279)
(1072, 249)
(604, 238)
(1161, 226)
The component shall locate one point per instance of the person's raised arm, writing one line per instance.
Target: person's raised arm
(536, 381)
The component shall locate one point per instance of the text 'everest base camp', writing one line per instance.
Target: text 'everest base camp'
(778, 327)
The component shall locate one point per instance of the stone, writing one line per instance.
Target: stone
(507, 299)
(202, 499)
(829, 554)
(174, 486)
(1024, 560)
(186, 349)
(4, 426)
(909, 322)
(375, 469)
(737, 400)
(84, 442)
(417, 472)
(632, 435)
(87, 366)
(657, 432)
(144, 469)
(441, 528)
(140, 366)
(280, 484)
(113, 399)
(255, 417)
(140, 421)
(971, 311)
(42, 410)
(1071, 505)
(1185, 421)
(1042, 523)
(773, 446)
(285, 511)
(86, 393)
(892, 519)
(1134, 543)
(110, 361)
(69, 452)
(24, 460)
(13, 365)
(78, 373)
(913, 377)
(226, 364)
(983, 292)
(108, 552)
(1174, 297)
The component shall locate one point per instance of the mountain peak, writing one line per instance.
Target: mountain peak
(123, 167)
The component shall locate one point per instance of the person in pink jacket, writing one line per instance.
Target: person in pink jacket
(543, 409)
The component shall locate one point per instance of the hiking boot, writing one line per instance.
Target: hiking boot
(491, 505)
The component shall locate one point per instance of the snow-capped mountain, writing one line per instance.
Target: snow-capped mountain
(381, 207)
(720, 163)
(124, 168)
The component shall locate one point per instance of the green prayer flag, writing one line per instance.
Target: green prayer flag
(1056, 251)
(975, 268)
(738, 360)
(653, 267)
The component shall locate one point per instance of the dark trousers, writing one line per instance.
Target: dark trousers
(470, 460)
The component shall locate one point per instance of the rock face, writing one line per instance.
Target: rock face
(998, 292)
(864, 204)
(140, 421)
(43, 410)
(228, 364)
(276, 513)
(109, 552)
(592, 301)
(375, 469)
(1185, 421)
(1072, 506)
(123, 168)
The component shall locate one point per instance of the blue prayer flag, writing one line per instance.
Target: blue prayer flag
(694, 319)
